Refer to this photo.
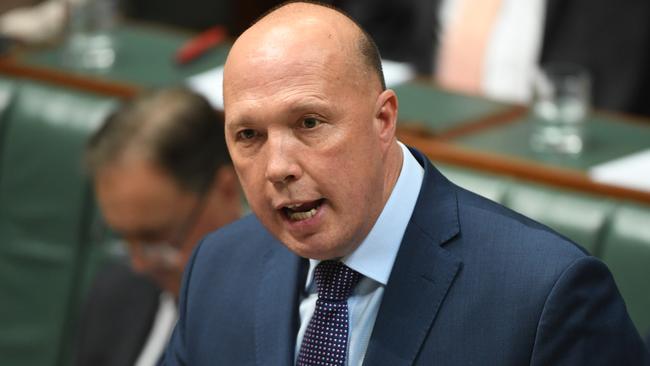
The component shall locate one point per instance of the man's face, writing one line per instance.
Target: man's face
(153, 214)
(305, 142)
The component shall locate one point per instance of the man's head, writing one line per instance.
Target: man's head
(163, 179)
(311, 128)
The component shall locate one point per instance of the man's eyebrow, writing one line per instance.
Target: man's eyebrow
(309, 104)
(237, 124)
(299, 106)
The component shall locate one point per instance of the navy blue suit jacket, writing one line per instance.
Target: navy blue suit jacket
(473, 284)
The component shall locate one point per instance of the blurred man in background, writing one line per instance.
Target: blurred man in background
(163, 179)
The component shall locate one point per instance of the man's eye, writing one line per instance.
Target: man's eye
(246, 134)
(310, 123)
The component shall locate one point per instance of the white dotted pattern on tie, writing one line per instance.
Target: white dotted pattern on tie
(325, 340)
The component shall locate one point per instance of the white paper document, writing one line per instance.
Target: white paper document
(396, 73)
(209, 83)
(631, 171)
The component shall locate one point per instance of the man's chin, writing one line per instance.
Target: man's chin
(314, 249)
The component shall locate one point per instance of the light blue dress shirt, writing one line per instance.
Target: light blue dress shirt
(374, 259)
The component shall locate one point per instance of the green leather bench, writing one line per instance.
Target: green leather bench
(580, 217)
(616, 231)
(47, 218)
(487, 185)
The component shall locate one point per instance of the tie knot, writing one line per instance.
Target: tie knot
(335, 280)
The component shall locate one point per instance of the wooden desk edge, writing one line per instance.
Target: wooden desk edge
(507, 114)
(13, 67)
(444, 152)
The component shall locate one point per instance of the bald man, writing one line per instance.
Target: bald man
(359, 251)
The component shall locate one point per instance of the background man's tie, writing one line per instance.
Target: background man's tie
(326, 338)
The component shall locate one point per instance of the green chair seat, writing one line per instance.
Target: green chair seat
(489, 186)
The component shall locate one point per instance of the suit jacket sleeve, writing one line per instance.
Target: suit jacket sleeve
(584, 321)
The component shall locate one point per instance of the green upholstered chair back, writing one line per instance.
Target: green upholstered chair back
(626, 251)
(46, 218)
(580, 217)
(487, 185)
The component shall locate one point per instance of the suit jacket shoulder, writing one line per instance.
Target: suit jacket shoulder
(239, 300)
(476, 283)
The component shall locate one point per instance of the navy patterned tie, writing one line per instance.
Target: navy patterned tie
(326, 338)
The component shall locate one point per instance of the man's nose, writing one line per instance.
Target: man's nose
(282, 165)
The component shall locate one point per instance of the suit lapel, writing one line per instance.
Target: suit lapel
(421, 277)
(276, 308)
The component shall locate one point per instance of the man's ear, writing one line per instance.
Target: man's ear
(386, 116)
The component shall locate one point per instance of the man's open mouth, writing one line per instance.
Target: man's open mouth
(302, 211)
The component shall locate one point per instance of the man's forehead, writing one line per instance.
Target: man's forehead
(284, 46)
(282, 72)
(297, 48)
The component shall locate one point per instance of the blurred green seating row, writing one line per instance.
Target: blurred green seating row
(48, 220)
(615, 231)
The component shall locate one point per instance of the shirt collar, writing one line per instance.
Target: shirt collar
(375, 256)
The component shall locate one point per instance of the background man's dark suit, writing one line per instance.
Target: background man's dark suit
(117, 318)
(611, 39)
(473, 284)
